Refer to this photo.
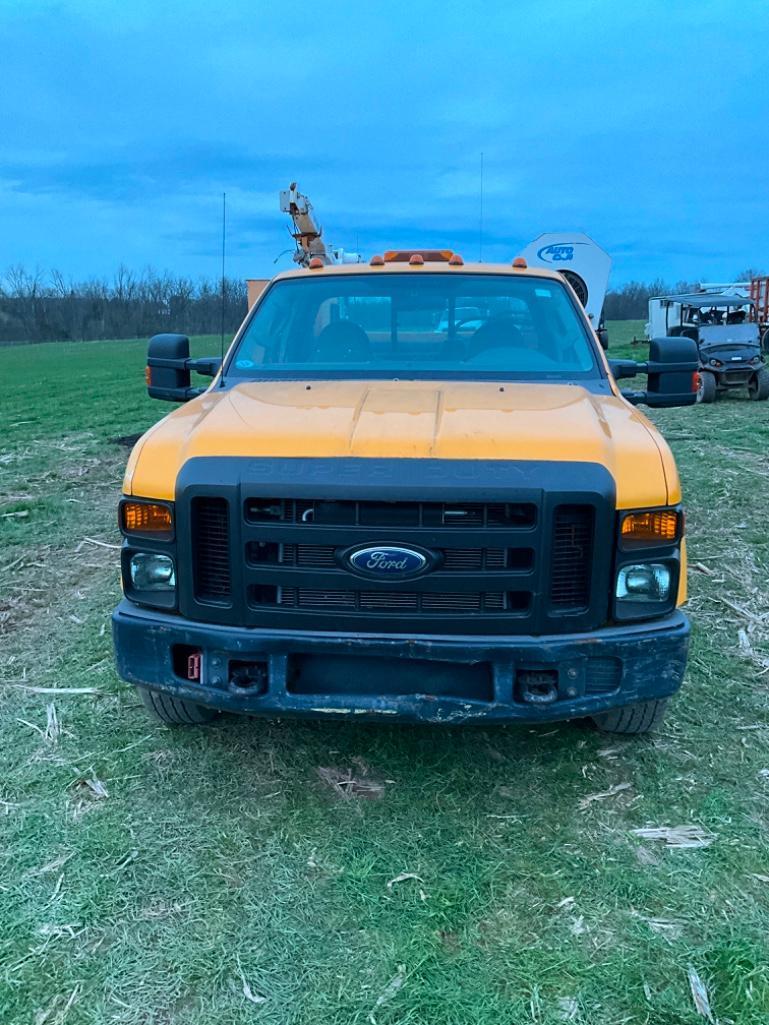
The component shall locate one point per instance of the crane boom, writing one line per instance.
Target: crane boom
(307, 233)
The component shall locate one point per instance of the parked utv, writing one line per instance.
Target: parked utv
(726, 331)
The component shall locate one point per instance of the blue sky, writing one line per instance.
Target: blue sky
(642, 124)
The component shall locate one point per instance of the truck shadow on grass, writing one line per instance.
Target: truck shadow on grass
(409, 763)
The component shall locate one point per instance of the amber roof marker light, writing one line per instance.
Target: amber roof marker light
(428, 255)
(376, 261)
(316, 263)
(520, 263)
(456, 261)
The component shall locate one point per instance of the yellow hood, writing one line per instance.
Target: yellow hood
(412, 420)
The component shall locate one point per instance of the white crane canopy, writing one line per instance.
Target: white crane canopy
(581, 261)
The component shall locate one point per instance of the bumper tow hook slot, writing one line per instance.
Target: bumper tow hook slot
(538, 688)
(250, 677)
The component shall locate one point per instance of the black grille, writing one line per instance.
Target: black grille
(573, 528)
(392, 601)
(211, 549)
(503, 567)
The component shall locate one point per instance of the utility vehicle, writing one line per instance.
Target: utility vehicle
(727, 333)
(364, 517)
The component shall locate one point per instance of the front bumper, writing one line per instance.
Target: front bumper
(734, 376)
(447, 679)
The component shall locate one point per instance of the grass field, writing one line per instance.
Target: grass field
(474, 877)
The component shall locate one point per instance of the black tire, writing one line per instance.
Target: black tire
(758, 387)
(707, 387)
(175, 711)
(638, 718)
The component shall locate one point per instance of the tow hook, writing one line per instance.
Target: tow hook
(248, 677)
(538, 686)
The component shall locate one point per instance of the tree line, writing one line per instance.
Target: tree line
(631, 301)
(36, 308)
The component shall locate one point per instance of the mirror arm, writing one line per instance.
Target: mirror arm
(629, 368)
(206, 366)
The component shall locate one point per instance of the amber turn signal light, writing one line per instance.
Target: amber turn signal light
(146, 518)
(660, 526)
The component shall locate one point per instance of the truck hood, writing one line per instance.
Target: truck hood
(414, 420)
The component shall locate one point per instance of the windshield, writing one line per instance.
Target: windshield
(746, 334)
(416, 325)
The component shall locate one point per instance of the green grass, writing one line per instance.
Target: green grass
(622, 335)
(224, 855)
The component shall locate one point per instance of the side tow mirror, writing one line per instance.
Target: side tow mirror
(168, 376)
(672, 371)
(169, 366)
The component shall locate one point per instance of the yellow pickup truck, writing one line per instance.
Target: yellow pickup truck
(413, 490)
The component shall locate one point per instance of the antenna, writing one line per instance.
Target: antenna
(480, 227)
(224, 243)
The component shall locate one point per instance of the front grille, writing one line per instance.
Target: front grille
(570, 577)
(211, 549)
(501, 567)
(392, 601)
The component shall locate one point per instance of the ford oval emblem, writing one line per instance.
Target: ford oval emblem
(387, 561)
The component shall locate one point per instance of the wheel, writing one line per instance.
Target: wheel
(706, 390)
(638, 718)
(758, 386)
(175, 711)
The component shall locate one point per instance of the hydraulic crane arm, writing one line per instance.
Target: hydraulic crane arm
(307, 232)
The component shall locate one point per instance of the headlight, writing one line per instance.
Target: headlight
(150, 571)
(644, 582)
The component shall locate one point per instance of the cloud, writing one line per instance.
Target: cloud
(123, 126)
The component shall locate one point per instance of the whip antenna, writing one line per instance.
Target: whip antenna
(224, 244)
(480, 225)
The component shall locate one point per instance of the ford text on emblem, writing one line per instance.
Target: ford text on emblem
(387, 561)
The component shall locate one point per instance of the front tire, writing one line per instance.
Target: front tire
(173, 711)
(706, 392)
(632, 719)
(758, 387)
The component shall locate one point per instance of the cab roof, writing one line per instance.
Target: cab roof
(425, 268)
